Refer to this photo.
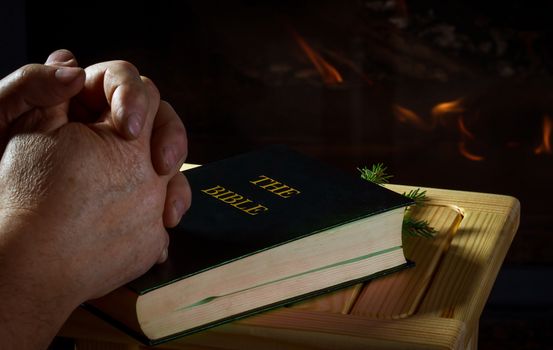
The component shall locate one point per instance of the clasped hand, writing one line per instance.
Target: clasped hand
(89, 176)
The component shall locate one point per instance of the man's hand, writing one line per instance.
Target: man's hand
(83, 206)
(118, 87)
(37, 92)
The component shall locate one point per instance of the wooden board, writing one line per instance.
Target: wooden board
(435, 305)
(399, 295)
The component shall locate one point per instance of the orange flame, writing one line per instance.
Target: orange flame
(438, 112)
(351, 64)
(454, 111)
(445, 109)
(407, 116)
(465, 153)
(456, 107)
(466, 134)
(463, 129)
(545, 146)
(329, 74)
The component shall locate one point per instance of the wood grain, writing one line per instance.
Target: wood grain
(340, 301)
(436, 305)
(399, 295)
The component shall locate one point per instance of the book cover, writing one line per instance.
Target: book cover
(215, 232)
(254, 202)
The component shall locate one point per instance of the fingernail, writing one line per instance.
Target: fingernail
(178, 205)
(66, 75)
(53, 62)
(61, 57)
(133, 124)
(170, 157)
(164, 255)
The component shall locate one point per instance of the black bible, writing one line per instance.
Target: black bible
(265, 228)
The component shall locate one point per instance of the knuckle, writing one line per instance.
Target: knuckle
(65, 53)
(62, 57)
(27, 73)
(146, 80)
(182, 137)
(153, 90)
(125, 66)
(165, 107)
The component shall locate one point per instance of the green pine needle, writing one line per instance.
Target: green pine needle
(417, 228)
(417, 195)
(376, 174)
(411, 227)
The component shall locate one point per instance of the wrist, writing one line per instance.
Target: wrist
(29, 270)
(35, 302)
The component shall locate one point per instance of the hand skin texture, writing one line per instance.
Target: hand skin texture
(89, 181)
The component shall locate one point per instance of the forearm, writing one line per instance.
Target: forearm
(27, 323)
(33, 304)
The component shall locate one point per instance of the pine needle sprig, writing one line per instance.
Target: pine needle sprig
(411, 227)
(417, 228)
(417, 195)
(376, 174)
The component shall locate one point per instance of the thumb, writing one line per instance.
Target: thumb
(37, 85)
(62, 58)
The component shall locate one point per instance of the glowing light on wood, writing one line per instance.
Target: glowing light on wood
(545, 146)
(329, 74)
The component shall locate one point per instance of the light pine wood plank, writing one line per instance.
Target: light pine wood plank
(399, 295)
(446, 319)
(312, 329)
(340, 301)
(472, 341)
(474, 201)
(290, 329)
(468, 271)
(466, 274)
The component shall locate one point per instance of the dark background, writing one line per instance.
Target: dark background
(236, 75)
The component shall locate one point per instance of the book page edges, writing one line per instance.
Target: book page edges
(352, 240)
(273, 306)
(169, 305)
